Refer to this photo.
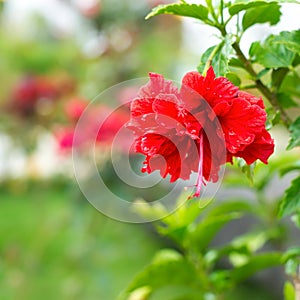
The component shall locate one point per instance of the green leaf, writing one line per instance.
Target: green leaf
(175, 225)
(262, 73)
(273, 118)
(187, 212)
(177, 292)
(227, 207)
(263, 175)
(241, 249)
(277, 76)
(289, 291)
(233, 78)
(140, 293)
(253, 241)
(290, 85)
(291, 254)
(289, 39)
(295, 135)
(271, 55)
(146, 210)
(181, 9)
(291, 267)
(268, 13)
(248, 170)
(288, 169)
(245, 5)
(168, 268)
(296, 61)
(296, 220)
(200, 236)
(219, 61)
(290, 204)
(254, 49)
(235, 62)
(286, 101)
(255, 264)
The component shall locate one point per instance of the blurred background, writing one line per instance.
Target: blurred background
(56, 56)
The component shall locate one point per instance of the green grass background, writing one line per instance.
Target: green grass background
(55, 245)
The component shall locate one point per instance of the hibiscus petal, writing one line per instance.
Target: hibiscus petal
(251, 99)
(212, 89)
(141, 106)
(176, 157)
(240, 122)
(261, 148)
(157, 85)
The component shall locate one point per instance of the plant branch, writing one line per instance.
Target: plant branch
(248, 87)
(222, 11)
(260, 86)
(212, 10)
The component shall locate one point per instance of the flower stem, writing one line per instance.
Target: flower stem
(211, 57)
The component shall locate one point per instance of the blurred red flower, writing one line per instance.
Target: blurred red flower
(184, 131)
(29, 91)
(99, 125)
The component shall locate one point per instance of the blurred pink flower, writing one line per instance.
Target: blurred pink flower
(75, 107)
(99, 126)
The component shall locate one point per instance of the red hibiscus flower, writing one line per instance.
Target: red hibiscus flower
(197, 128)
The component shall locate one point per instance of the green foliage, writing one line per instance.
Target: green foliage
(183, 9)
(271, 55)
(183, 284)
(290, 85)
(242, 5)
(289, 291)
(234, 78)
(202, 234)
(218, 61)
(248, 170)
(272, 67)
(291, 267)
(290, 168)
(286, 101)
(289, 39)
(239, 6)
(236, 63)
(269, 13)
(255, 264)
(290, 204)
(277, 76)
(197, 269)
(55, 245)
(296, 220)
(295, 134)
(291, 253)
